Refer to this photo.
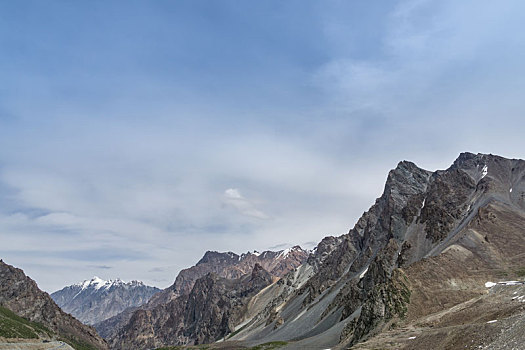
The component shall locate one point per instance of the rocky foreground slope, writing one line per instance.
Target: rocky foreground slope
(95, 300)
(21, 295)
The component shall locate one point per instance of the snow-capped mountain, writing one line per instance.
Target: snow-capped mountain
(95, 300)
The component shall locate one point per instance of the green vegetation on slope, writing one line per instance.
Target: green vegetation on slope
(78, 345)
(14, 326)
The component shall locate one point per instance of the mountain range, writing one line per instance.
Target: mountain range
(214, 266)
(411, 272)
(437, 262)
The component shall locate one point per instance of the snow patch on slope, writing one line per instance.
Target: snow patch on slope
(504, 283)
(98, 283)
(485, 171)
(284, 253)
(363, 273)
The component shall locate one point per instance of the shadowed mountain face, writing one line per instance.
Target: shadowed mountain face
(206, 314)
(21, 295)
(96, 300)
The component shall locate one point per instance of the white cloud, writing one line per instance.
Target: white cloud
(233, 197)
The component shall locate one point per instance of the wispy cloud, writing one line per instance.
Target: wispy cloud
(102, 267)
(233, 197)
(279, 246)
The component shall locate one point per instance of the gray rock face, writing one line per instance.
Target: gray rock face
(96, 300)
(206, 314)
(228, 266)
(231, 265)
(357, 286)
(21, 295)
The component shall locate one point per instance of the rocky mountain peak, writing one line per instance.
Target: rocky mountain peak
(95, 300)
(214, 257)
(231, 265)
(259, 272)
(463, 158)
(404, 178)
(98, 283)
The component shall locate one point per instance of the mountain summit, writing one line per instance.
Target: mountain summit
(95, 300)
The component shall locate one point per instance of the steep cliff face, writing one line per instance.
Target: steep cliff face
(356, 286)
(95, 300)
(21, 295)
(206, 314)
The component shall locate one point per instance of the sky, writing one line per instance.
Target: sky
(136, 135)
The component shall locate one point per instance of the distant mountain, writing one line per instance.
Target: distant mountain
(230, 265)
(222, 265)
(204, 315)
(95, 300)
(39, 313)
(417, 271)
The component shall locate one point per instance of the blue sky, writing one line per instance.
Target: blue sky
(136, 135)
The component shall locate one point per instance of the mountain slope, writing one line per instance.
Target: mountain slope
(225, 265)
(206, 314)
(21, 295)
(451, 305)
(232, 266)
(359, 283)
(95, 300)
